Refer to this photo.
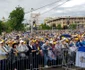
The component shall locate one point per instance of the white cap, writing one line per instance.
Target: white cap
(51, 42)
(63, 39)
(21, 41)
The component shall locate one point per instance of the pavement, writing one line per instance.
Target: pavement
(59, 68)
(53, 69)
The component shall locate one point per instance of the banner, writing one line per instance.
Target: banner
(80, 57)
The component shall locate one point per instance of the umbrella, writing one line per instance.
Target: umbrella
(65, 35)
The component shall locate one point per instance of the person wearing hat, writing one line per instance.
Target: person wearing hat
(64, 51)
(12, 57)
(3, 56)
(22, 48)
(33, 51)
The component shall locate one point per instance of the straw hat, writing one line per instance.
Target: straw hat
(54, 42)
(1, 42)
(66, 40)
(76, 39)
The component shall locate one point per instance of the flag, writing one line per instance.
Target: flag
(80, 57)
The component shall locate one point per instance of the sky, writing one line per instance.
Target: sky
(70, 8)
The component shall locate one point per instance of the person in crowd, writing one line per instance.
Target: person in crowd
(39, 52)
(33, 54)
(78, 43)
(45, 48)
(22, 48)
(3, 56)
(64, 52)
(48, 54)
(57, 50)
(13, 57)
(72, 52)
(83, 41)
(43, 44)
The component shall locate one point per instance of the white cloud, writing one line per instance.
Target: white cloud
(73, 7)
(72, 3)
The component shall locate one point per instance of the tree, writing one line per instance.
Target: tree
(72, 26)
(59, 26)
(16, 18)
(45, 27)
(3, 26)
(0, 27)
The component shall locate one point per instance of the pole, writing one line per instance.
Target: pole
(52, 26)
(31, 61)
(52, 29)
(31, 21)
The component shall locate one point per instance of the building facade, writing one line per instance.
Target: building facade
(80, 21)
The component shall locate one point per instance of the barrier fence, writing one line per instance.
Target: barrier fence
(36, 61)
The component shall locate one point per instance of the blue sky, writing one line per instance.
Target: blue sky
(71, 8)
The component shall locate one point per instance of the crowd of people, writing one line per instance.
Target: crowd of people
(39, 48)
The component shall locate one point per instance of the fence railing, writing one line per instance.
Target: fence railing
(38, 61)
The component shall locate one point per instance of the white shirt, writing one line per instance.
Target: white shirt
(22, 48)
(2, 53)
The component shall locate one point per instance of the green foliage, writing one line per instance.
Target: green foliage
(72, 26)
(3, 27)
(59, 26)
(45, 27)
(0, 27)
(16, 18)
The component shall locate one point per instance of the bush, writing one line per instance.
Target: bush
(59, 26)
(72, 26)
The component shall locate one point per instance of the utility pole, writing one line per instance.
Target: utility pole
(52, 27)
(31, 21)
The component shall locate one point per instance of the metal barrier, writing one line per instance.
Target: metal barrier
(37, 62)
